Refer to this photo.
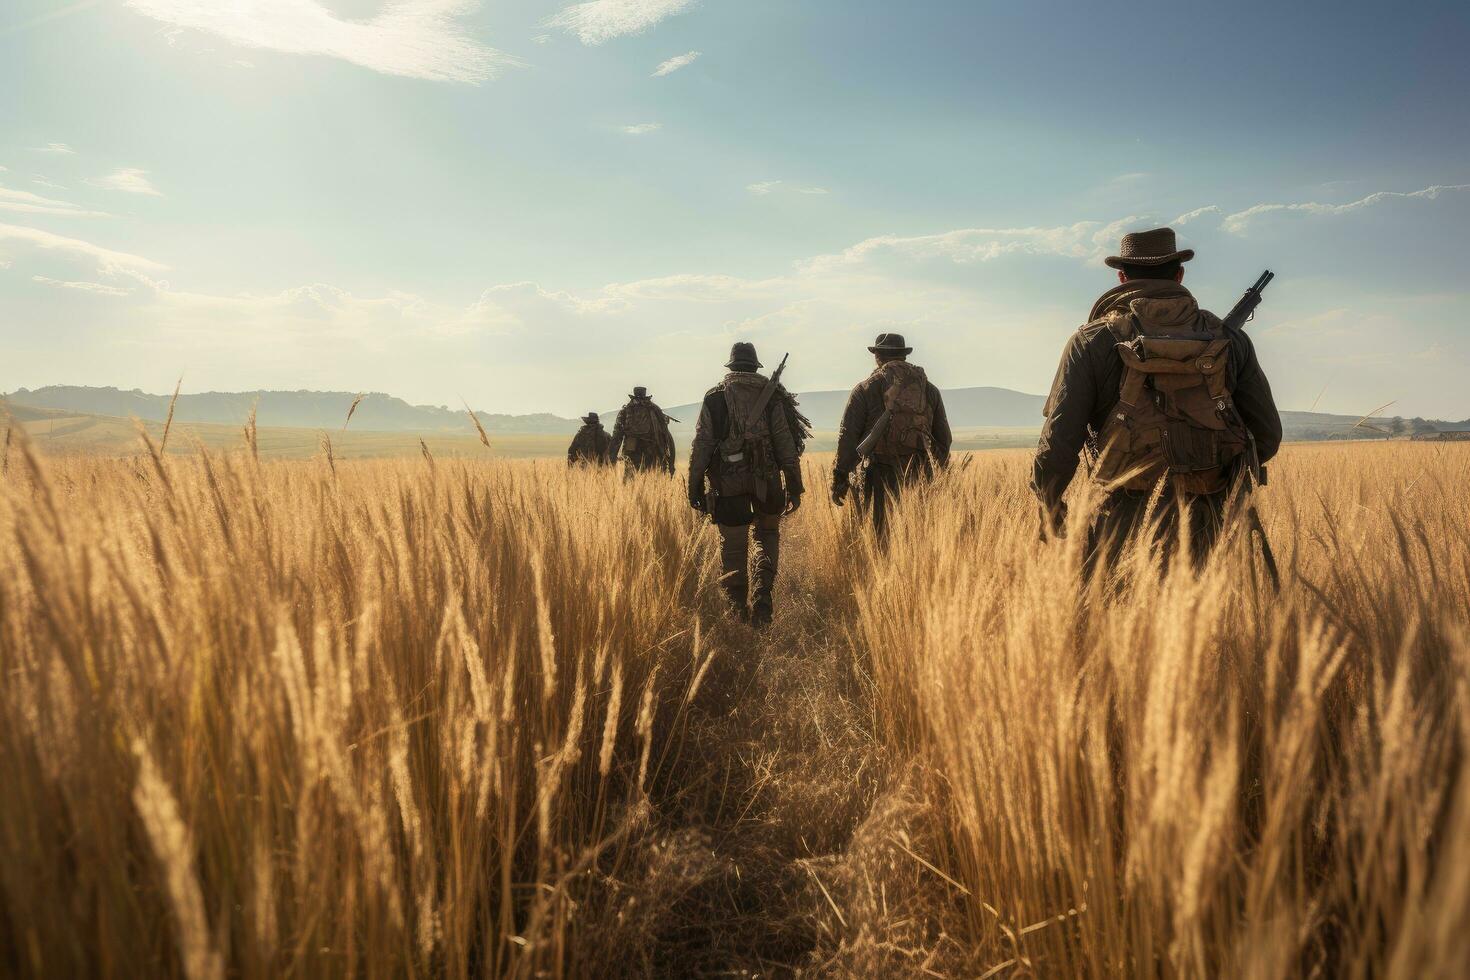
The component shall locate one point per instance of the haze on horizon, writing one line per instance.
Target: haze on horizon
(537, 204)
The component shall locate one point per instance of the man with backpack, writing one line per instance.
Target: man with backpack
(1157, 390)
(591, 446)
(895, 420)
(749, 438)
(641, 434)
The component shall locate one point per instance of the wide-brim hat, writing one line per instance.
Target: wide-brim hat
(1157, 246)
(890, 343)
(591, 418)
(742, 354)
(639, 392)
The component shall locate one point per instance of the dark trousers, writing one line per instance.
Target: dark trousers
(1121, 517)
(735, 560)
(883, 484)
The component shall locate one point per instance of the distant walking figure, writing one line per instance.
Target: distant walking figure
(895, 420)
(1156, 389)
(748, 438)
(642, 435)
(591, 446)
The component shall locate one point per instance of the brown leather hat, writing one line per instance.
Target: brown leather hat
(742, 357)
(890, 343)
(1155, 247)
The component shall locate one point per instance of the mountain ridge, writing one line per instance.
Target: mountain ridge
(967, 408)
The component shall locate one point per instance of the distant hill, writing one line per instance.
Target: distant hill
(293, 409)
(968, 408)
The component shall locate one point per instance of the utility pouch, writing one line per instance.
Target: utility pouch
(1189, 448)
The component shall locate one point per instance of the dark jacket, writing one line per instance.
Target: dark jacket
(714, 425)
(1089, 379)
(656, 452)
(591, 444)
(864, 406)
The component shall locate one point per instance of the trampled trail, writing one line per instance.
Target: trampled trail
(786, 834)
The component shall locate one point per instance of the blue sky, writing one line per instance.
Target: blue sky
(508, 201)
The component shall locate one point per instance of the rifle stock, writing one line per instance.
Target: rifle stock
(865, 448)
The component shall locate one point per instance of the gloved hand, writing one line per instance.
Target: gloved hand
(793, 504)
(839, 491)
(696, 499)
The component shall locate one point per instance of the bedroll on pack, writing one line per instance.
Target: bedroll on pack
(911, 419)
(1175, 415)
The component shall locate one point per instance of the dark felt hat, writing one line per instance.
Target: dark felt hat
(640, 392)
(890, 343)
(1155, 247)
(591, 418)
(742, 357)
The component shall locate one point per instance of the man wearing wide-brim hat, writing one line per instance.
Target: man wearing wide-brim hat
(1158, 391)
(591, 446)
(899, 404)
(641, 436)
(747, 444)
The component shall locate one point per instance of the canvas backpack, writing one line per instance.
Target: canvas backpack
(1175, 415)
(746, 457)
(911, 418)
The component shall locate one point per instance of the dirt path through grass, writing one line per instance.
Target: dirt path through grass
(783, 825)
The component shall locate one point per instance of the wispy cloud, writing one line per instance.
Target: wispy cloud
(24, 202)
(675, 63)
(1196, 214)
(101, 288)
(603, 20)
(412, 38)
(641, 129)
(128, 180)
(61, 148)
(763, 187)
(107, 260)
(43, 181)
(1238, 222)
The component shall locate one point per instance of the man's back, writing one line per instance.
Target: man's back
(1089, 381)
(867, 403)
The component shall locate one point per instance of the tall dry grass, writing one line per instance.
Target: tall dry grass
(1189, 775)
(434, 717)
(366, 719)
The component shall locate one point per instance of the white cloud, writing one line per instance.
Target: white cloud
(1238, 222)
(1196, 214)
(542, 39)
(603, 20)
(87, 287)
(412, 38)
(24, 202)
(128, 180)
(61, 148)
(763, 187)
(1085, 240)
(674, 64)
(107, 261)
(42, 180)
(642, 129)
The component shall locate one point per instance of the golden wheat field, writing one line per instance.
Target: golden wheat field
(433, 717)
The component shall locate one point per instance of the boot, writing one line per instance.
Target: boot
(734, 580)
(767, 558)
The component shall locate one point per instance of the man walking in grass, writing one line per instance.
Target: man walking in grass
(591, 446)
(1155, 389)
(749, 438)
(895, 420)
(641, 434)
